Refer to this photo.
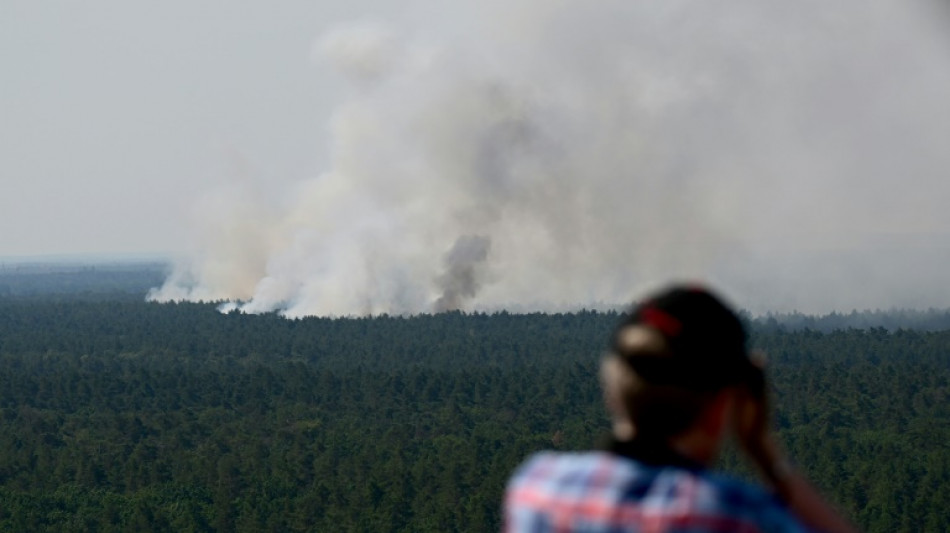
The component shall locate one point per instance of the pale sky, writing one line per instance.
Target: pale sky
(114, 115)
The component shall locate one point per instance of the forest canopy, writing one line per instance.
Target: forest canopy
(117, 414)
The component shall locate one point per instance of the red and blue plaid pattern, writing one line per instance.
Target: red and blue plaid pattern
(600, 492)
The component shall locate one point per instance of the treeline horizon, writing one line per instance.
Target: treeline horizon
(132, 281)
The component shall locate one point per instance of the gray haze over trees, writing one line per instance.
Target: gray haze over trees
(67, 281)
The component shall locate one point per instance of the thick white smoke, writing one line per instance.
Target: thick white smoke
(550, 154)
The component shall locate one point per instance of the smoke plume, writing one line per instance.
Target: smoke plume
(463, 272)
(558, 154)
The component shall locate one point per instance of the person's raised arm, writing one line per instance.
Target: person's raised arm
(755, 437)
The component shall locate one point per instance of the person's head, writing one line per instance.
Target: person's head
(671, 357)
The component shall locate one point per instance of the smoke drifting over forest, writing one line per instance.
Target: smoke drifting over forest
(560, 154)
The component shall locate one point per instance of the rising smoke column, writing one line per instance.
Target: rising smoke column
(555, 154)
(463, 276)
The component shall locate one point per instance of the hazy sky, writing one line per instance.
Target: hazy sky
(115, 115)
(344, 157)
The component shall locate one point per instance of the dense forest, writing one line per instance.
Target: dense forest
(122, 415)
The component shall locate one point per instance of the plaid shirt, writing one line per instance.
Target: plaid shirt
(601, 491)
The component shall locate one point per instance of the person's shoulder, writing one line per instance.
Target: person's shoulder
(593, 483)
(559, 471)
(550, 458)
(746, 502)
(552, 464)
(737, 492)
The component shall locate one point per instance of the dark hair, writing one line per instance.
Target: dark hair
(683, 345)
(664, 411)
(657, 411)
(705, 341)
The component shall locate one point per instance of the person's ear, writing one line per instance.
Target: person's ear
(717, 416)
(610, 377)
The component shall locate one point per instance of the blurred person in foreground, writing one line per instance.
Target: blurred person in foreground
(678, 381)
